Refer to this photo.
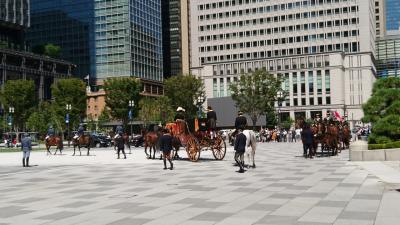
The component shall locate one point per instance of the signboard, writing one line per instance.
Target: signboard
(130, 114)
(67, 118)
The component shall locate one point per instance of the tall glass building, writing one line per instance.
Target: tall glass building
(392, 15)
(388, 56)
(128, 39)
(68, 24)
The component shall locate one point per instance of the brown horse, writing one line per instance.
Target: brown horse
(150, 141)
(54, 141)
(125, 138)
(331, 138)
(180, 133)
(344, 136)
(83, 141)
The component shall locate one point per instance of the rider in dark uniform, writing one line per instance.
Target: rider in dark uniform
(180, 114)
(211, 121)
(119, 131)
(50, 132)
(240, 121)
(81, 131)
(26, 147)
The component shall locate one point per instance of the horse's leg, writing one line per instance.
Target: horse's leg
(74, 150)
(88, 149)
(154, 151)
(79, 148)
(48, 150)
(253, 152)
(145, 150)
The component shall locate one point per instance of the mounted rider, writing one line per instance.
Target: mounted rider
(317, 119)
(81, 131)
(240, 123)
(119, 131)
(50, 133)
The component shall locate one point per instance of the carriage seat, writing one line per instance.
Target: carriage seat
(177, 128)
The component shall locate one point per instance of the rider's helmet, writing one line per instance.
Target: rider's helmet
(180, 109)
(240, 113)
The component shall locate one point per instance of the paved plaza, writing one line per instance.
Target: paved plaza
(284, 189)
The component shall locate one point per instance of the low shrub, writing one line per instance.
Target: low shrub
(389, 145)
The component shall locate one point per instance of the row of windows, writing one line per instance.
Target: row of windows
(276, 19)
(291, 28)
(346, 47)
(290, 5)
(283, 41)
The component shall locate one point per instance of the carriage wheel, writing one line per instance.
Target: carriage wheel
(193, 150)
(219, 148)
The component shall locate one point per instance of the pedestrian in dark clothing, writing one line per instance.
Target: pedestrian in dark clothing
(308, 139)
(26, 147)
(120, 146)
(293, 135)
(240, 147)
(211, 121)
(166, 148)
(240, 121)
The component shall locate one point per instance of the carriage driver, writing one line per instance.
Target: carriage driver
(240, 121)
(180, 114)
(80, 132)
(317, 119)
(50, 133)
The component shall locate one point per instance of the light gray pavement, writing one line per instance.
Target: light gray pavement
(284, 189)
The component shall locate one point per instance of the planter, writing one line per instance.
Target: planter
(359, 152)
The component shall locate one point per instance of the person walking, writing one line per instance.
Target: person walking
(26, 147)
(308, 139)
(211, 121)
(120, 146)
(240, 147)
(166, 148)
(293, 135)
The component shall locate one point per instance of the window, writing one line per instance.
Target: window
(310, 82)
(328, 100)
(327, 82)
(311, 101)
(215, 88)
(319, 100)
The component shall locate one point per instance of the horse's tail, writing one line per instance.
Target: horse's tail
(61, 144)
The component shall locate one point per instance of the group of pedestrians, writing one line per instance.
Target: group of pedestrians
(280, 135)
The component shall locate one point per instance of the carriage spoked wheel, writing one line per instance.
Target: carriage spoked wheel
(219, 148)
(193, 150)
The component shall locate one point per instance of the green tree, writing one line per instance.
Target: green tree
(51, 50)
(21, 95)
(69, 91)
(157, 109)
(383, 110)
(183, 91)
(287, 124)
(255, 93)
(119, 91)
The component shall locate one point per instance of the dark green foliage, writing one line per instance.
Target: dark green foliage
(156, 109)
(69, 91)
(21, 95)
(255, 93)
(384, 146)
(383, 110)
(183, 91)
(50, 50)
(119, 91)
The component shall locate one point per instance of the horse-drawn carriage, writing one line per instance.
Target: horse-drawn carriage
(197, 141)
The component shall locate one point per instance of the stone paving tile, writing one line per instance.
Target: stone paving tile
(283, 189)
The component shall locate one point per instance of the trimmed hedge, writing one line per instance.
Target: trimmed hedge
(389, 145)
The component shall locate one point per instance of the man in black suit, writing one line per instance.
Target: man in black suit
(211, 121)
(240, 147)
(308, 139)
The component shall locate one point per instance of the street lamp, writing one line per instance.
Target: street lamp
(131, 105)
(68, 107)
(11, 110)
(199, 102)
(280, 96)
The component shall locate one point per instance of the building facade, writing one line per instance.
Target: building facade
(14, 19)
(128, 40)
(393, 15)
(324, 50)
(380, 17)
(175, 21)
(388, 56)
(68, 24)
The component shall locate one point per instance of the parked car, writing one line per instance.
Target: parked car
(101, 140)
(137, 140)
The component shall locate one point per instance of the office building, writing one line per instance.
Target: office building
(324, 50)
(388, 56)
(68, 24)
(18, 64)
(175, 20)
(392, 16)
(14, 19)
(380, 17)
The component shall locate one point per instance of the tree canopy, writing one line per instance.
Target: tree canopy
(119, 91)
(255, 93)
(69, 91)
(21, 95)
(383, 111)
(50, 50)
(156, 109)
(183, 91)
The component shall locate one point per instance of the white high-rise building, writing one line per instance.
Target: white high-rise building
(323, 48)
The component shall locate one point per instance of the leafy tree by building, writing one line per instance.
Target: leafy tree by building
(21, 95)
(119, 91)
(256, 93)
(69, 91)
(157, 109)
(383, 111)
(183, 91)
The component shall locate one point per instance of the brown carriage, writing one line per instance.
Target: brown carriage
(197, 141)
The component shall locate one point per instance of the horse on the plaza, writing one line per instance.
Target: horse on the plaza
(150, 141)
(180, 132)
(251, 146)
(331, 138)
(54, 141)
(125, 138)
(344, 136)
(82, 141)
